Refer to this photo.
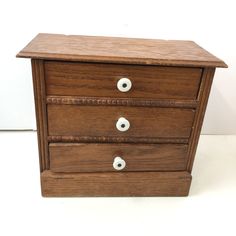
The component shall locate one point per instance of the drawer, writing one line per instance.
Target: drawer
(72, 157)
(96, 80)
(96, 121)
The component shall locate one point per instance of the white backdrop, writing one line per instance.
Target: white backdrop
(209, 23)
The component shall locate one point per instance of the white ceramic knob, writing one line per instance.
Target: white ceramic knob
(118, 163)
(124, 85)
(122, 124)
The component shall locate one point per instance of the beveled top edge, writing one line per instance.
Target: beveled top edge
(119, 50)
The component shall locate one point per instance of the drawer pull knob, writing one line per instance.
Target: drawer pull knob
(119, 163)
(124, 85)
(122, 124)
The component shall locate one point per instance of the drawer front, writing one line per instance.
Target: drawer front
(99, 121)
(96, 80)
(101, 157)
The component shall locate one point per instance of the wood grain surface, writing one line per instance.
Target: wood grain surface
(41, 113)
(101, 121)
(100, 80)
(112, 184)
(71, 157)
(204, 92)
(78, 104)
(119, 50)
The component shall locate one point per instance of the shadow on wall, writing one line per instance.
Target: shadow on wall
(219, 114)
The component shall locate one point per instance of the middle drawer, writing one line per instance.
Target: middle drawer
(75, 120)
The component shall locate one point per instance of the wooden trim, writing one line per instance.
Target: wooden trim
(41, 113)
(115, 184)
(119, 60)
(204, 92)
(93, 101)
(88, 139)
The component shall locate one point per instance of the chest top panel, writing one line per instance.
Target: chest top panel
(119, 50)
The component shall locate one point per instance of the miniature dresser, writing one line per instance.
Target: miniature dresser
(118, 116)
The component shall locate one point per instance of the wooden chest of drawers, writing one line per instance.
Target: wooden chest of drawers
(118, 116)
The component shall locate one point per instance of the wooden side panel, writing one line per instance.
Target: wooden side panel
(115, 184)
(204, 92)
(94, 79)
(41, 113)
(71, 157)
(101, 121)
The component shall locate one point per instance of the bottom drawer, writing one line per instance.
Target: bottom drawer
(71, 157)
(115, 184)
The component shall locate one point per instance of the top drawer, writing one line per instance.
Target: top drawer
(100, 80)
